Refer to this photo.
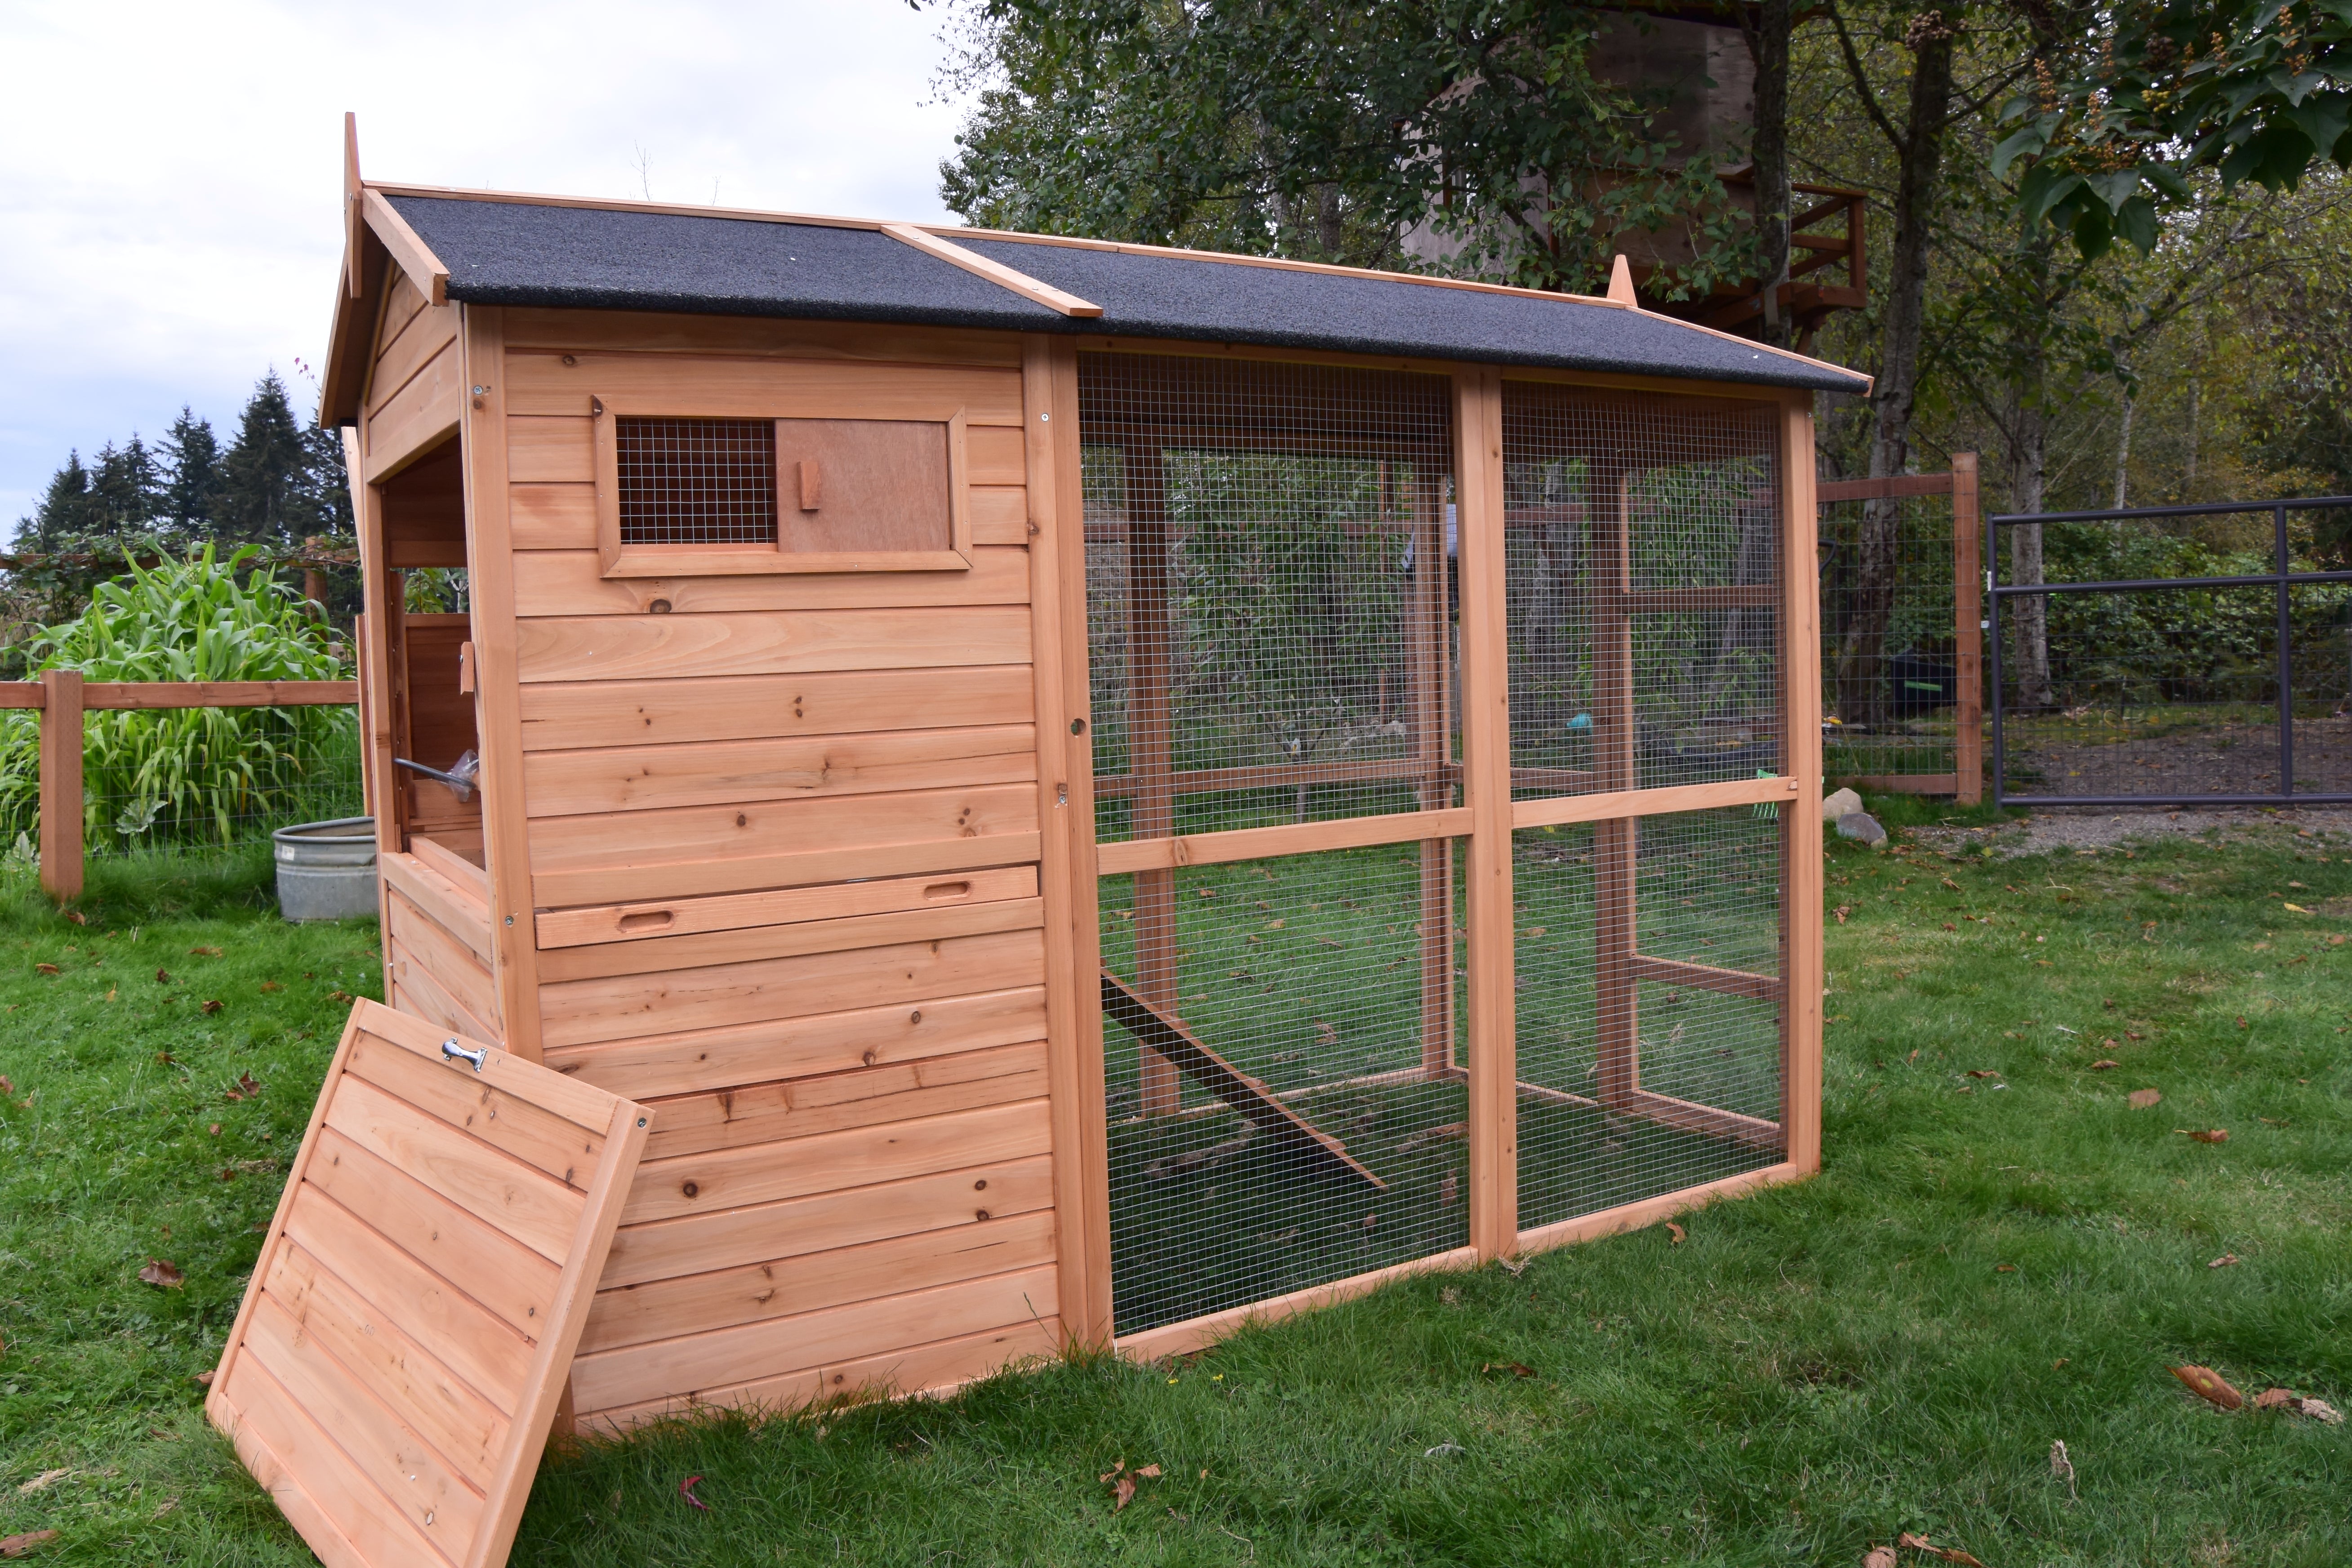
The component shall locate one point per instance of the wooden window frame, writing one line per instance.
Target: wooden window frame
(738, 560)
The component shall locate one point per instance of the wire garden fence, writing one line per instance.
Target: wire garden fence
(1901, 640)
(2186, 655)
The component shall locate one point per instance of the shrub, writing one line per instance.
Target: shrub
(192, 773)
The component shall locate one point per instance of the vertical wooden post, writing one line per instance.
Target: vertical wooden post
(1057, 598)
(1486, 774)
(1430, 735)
(1150, 756)
(497, 696)
(1616, 759)
(61, 797)
(1968, 632)
(1800, 697)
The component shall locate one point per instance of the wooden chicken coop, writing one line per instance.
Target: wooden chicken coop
(1085, 793)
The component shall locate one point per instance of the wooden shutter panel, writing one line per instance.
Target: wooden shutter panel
(409, 1327)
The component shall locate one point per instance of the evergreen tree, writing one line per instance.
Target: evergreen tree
(126, 495)
(263, 477)
(324, 491)
(192, 453)
(64, 511)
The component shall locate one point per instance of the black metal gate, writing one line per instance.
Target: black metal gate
(2173, 656)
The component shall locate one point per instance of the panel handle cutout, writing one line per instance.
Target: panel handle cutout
(948, 890)
(648, 919)
(466, 669)
(811, 485)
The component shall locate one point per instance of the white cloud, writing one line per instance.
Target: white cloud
(170, 175)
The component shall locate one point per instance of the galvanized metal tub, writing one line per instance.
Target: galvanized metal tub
(326, 871)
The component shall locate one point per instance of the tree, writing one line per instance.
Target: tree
(2149, 92)
(1299, 128)
(262, 478)
(192, 453)
(64, 512)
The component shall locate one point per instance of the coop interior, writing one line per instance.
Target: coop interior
(1275, 638)
(424, 642)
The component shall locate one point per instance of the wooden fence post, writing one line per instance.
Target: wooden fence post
(1968, 634)
(62, 850)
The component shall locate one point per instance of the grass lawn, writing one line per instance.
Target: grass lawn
(1988, 1264)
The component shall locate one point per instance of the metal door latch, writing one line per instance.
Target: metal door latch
(452, 1051)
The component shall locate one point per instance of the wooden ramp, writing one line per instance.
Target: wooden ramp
(1249, 1099)
(408, 1330)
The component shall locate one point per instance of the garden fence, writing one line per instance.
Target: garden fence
(62, 697)
(1902, 680)
(2174, 656)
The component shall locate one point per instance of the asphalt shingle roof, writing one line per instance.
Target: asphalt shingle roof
(523, 253)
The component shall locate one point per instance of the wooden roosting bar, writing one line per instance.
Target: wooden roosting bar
(1083, 793)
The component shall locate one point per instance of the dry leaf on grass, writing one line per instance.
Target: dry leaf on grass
(1676, 1235)
(247, 1086)
(2062, 1464)
(161, 1272)
(2209, 1384)
(2320, 1410)
(77, 917)
(2206, 1134)
(1879, 1557)
(1518, 1369)
(2102, 1066)
(7, 1086)
(43, 1481)
(18, 1545)
(202, 1379)
(2226, 1260)
(211, 1007)
(1948, 1553)
(45, 969)
(162, 977)
(1845, 909)
(686, 1490)
(1122, 1492)
(271, 986)
(2271, 1398)
(2141, 1098)
(204, 952)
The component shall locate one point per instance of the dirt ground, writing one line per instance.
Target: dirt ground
(2217, 759)
(2097, 827)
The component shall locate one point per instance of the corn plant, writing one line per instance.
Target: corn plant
(193, 774)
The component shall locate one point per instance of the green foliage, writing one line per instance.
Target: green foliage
(1310, 131)
(2253, 89)
(194, 772)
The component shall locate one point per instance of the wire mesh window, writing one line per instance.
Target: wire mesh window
(1642, 574)
(1649, 1005)
(697, 481)
(1284, 1106)
(1890, 664)
(1267, 592)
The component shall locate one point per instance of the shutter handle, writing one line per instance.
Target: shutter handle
(452, 1051)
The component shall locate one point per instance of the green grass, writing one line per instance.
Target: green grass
(1980, 1270)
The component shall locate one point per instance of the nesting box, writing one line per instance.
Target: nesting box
(1087, 792)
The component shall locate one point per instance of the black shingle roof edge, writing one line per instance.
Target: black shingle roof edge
(554, 255)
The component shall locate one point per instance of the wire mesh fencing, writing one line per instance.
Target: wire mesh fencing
(1650, 1006)
(1641, 539)
(2175, 655)
(1267, 586)
(1891, 655)
(696, 481)
(1290, 1113)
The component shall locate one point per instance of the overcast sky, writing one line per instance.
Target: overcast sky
(170, 175)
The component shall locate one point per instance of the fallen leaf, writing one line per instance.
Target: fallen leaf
(1116, 1467)
(2271, 1398)
(249, 1084)
(271, 986)
(2209, 1384)
(45, 969)
(1675, 1234)
(211, 1007)
(204, 952)
(2134, 1034)
(1845, 909)
(1518, 1369)
(1450, 1296)
(686, 1490)
(162, 977)
(1122, 1492)
(81, 920)
(7, 1087)
(202, 1379)
(2141, 1098)
(2320, 1410)
(1949, 926)
(43, 1481)
(1148, 1471)
(1948, 1553)
(160, 1272)
(1982, 1072)
(214, 1129)
(2206, 1134)
(2102, 1066)
(1879, 1557)
(1371, 1221)
(2298, 908)
(2226, 1260)
(2004, 1268)
(18, 1545)
(2243, 1025)
(339, 995)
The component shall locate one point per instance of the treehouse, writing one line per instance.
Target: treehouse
(1032, 792)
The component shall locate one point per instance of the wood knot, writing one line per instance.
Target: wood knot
(691, 1190)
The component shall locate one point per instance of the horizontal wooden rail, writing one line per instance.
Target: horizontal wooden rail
(149, 695)
(61, 697)
(1829, 491)
(1288, 838)
(1602, 807)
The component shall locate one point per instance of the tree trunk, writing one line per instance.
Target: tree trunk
(2123, 454)
(1862, 687)
(1770, 156)
(2029, 618)
(2188, 480)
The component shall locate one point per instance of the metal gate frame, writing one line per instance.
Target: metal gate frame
(2280, 577)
